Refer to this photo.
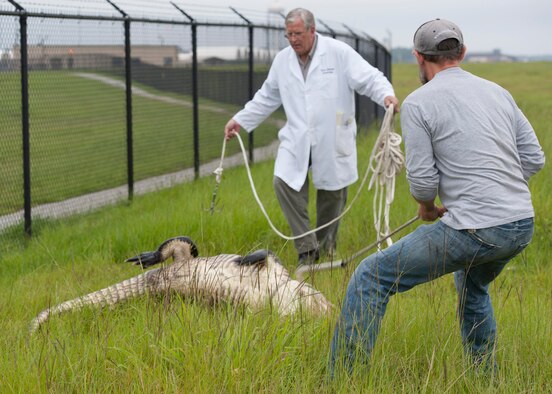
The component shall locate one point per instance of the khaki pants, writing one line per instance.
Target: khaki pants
(329, 204)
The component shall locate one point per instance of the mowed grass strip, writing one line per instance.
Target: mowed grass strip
(78, 136)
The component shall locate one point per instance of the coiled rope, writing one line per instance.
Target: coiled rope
(386, 161)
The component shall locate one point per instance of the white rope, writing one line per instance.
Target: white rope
(218, 177)
(386, 152)
(389, 161)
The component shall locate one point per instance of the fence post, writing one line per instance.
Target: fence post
(25, 133)
(357, 49)
(195, 94)
(25, 125)
(251, 65)
(250, 72)
(195, 98)
(389, 64)
(128, 91)
(128, 80)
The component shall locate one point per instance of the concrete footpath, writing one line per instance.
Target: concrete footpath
(89, 202)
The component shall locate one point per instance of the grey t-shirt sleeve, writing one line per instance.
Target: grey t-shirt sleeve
(530, 152)
(421, 172)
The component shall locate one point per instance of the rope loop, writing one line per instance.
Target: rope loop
(218, 174)
(386, 161)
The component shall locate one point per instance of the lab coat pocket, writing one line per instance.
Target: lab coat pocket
(345, 137)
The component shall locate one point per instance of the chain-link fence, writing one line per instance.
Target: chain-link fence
(100, 98)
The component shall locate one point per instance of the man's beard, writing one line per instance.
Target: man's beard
(423, 77)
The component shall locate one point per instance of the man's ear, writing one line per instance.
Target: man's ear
(463, 53)
(418, 56)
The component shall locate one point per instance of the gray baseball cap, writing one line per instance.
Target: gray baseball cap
(432, 33)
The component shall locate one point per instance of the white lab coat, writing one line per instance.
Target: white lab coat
(320, 112)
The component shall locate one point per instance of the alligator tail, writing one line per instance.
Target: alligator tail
(127, 289)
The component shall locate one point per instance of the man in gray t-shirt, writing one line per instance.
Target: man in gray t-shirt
(468, 143)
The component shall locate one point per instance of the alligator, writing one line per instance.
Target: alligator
(256, 280)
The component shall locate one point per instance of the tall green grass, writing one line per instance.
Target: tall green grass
(174, 345)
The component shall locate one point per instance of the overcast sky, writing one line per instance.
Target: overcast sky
(516, 27)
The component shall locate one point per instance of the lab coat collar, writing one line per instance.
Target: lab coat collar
(294, 63)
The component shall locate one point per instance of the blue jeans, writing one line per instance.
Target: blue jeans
(475, 256)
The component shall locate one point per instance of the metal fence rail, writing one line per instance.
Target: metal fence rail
(104, 94)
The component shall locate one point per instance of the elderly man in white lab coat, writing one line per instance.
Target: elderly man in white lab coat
(314, 79)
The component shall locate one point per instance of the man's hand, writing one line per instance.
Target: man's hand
(391, 100)
(231, 129)
(430, 212)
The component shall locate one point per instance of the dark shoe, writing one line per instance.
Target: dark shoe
(308, 258)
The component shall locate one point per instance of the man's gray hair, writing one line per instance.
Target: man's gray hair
(305, 15)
